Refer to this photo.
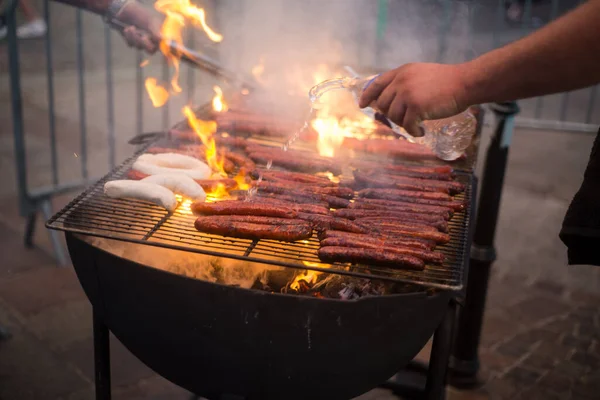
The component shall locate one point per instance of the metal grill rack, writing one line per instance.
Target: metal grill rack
(92, 213)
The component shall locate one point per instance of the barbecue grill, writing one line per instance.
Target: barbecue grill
(221, 341)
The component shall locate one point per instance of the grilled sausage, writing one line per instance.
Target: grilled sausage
(403, 207)
(399, 167)
(452, 186)
(438, 237)
(295, 163)
(292, 177)
(126, 189)
(333, 201)
(396, 193)
(291, 199)
(432, 205)
(367, 181)
(326, 222)
(236, 207)
(425, 255)
(417, 243)
(440, 224)
(298, 230)
(304, 208)
(391, 214)
(369, 256)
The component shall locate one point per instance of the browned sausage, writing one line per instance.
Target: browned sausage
(245, 230)
(440, 224)
(425, 255)
(236, 207)
(381, 240)
(369, 256)
(326, 222)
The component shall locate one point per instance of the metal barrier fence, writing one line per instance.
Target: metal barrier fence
(380, 34)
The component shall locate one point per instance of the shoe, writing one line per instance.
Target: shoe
(32, 30)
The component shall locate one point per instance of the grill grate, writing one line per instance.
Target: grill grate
(92, 213)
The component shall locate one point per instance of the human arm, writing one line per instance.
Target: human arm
(564, 55)
(143, 23)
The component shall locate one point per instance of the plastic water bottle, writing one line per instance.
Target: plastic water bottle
(448, 138)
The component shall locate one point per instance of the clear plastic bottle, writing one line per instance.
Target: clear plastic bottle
(448, 138)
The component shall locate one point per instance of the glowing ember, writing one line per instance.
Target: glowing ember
(157, 93)
(185, 205)
(309, 277)
(218, 103)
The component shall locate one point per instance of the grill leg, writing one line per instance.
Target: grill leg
(440, 355)
(30, 229)
(464, 364)
(101, 359)
(57, 245)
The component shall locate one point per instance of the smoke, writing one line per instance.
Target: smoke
(198, 266)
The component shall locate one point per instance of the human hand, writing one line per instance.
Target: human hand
(416, 92)
(143, 26)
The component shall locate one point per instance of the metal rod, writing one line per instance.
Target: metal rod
(51, 117)
(591, 103)
(139, 89)
(465, 360)
(55, 237)
(81, 81)
(110, 120)
(101, 358)
(440, 354)
(17, 109)
(30, 229)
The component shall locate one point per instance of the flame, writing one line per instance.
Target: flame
(308, 276)
(176, 12)
(157, 93)
(219, 192)
(331, 128)
(185, 205)
(240, 179)
(218, 103)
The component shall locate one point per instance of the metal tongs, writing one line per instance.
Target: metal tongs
(194, 58)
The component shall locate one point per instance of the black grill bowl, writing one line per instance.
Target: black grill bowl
(213, 339)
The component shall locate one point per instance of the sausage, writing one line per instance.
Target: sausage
(299, 230)
(383, 226)
(422, 185)
(425, 255)
(333, 201)
(438, 237)
(126, 189)
(292, 199)
(381, 240)
(254, 219)
(439, 224)
(178, 183)
(341, 192)
(292, 177)
(294, 163)
(396, 193)
(391, 195)
(369, 256)
(391, 214)
(452, 186)
(392, 168)
(236, 207)
(243, 163)
(199, 151)
(304, 208)
(327, 222)
(404, 207)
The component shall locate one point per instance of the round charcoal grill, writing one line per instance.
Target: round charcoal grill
(216, 340)
(221, 341)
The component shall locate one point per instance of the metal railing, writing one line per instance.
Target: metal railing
(380, 34)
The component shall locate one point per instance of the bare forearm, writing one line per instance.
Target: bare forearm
(563, 56)
(95, 6)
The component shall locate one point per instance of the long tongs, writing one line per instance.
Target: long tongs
(195, 59)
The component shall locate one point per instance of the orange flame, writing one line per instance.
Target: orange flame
(240, 179)
(157, 93)
(218, 103)
(188, 10)
(308, 276)
(219, 192)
